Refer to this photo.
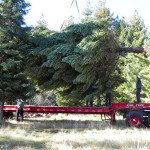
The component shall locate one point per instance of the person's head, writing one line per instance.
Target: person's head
(138, 77)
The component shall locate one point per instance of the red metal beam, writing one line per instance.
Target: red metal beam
(81, 110)
(99, 110)
(116, 106)
(106, 111)
(53, 109)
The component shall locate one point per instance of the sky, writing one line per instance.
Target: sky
(55, 12)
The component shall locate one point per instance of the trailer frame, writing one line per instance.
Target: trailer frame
(137, 114)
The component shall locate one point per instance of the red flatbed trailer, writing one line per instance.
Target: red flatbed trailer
(139, 113)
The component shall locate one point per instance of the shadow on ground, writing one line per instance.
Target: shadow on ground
(34, 124)
(13, 144)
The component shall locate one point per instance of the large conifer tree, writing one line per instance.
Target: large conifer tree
(13, 39)
(80, 56)
(76, 58)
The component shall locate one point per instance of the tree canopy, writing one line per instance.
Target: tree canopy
(80, 56)
(134, 35)
(13, 46)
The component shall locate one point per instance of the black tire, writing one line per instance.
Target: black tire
(134, 119)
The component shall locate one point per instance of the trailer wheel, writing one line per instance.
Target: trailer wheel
(134, 119)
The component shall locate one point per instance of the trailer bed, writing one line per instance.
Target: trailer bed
(107, 112)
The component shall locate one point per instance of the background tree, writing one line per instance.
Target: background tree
(42, 22)
(88, 12)
(133, 35)
(39, 39)
(43, 98)
(68, 22)
(13, 44)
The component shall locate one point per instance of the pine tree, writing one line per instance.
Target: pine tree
(75, 58)
(13, 45)
(132, 35)
(88, 11)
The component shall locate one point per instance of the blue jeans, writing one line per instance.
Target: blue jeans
(89, 99)
(138, 91)
(19, 113)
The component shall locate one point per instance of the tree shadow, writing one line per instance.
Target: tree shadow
(104, 144)
(59, 124)
(12, 144)
(74, 124)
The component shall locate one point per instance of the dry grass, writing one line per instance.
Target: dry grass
(71, 132)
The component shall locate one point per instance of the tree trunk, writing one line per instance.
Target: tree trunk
(1, 111)
(131, 50)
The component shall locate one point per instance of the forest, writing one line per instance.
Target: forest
(99, 51)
